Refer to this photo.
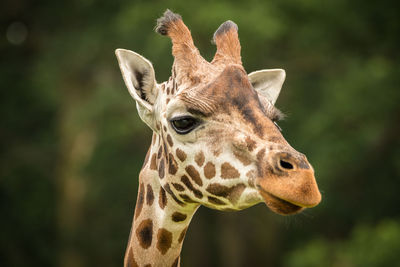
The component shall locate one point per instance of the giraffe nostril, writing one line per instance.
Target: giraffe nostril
(285, 165)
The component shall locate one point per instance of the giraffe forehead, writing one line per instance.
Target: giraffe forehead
(230, 89)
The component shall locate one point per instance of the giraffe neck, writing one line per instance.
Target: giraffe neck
(159, 224)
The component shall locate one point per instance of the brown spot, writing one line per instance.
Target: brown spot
(178, 187)
(161, 170)
(150, 195)
(172, 165)
(176, 262)
(250, 110)
(167, 90)
(162, 198)
(251, 144)
(215, 201)
(178, 217)
(139, 201)
(194, 174)
(146, 159)
(195, 79)
(185, 180)
(178, 201)
(209, 170)
(242, 158)
(187, 199)
(165, 128)
(165, 149)
(130, 261)
(218, 190)
(153, 163)
(167, 101)
(164, 240)
(169, 191)
(232, 193)
(144, 233)
(275, 139)
(228, 171)
(175, 85)
(180, 154)
(169, 140)
(235, 192)
(199, 158)
(260, 156)
(159, 152)
(148, 265)
(182, 235)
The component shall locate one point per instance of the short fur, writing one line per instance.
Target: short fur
(234, 158)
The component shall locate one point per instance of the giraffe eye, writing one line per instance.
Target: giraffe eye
(184, 125)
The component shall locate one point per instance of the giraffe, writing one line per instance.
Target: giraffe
(215, 142)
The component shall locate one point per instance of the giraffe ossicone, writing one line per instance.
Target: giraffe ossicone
(215, 142)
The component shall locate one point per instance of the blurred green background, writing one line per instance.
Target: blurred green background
(72, 143)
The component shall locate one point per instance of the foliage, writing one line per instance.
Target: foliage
(377, 245)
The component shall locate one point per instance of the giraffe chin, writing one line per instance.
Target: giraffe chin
(279, 205)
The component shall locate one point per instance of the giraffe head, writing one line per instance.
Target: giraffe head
(217, 142)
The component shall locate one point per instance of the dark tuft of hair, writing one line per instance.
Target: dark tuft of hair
(164, 22)
(225, 27)
(278, 115)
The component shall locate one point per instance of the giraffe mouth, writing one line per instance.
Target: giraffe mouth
(278, 205)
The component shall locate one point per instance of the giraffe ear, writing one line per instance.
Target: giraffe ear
(138, 74)
(268, 83)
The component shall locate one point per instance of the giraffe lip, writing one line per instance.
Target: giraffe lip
(278, 205)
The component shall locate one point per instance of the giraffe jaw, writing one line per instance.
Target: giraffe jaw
(278, 205)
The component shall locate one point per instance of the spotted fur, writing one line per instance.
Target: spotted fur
(234, 158)
(164, 240)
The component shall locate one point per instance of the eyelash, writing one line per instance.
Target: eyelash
(277, 126)
(189, 124)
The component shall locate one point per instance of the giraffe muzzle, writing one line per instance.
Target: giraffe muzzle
(288, 183)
